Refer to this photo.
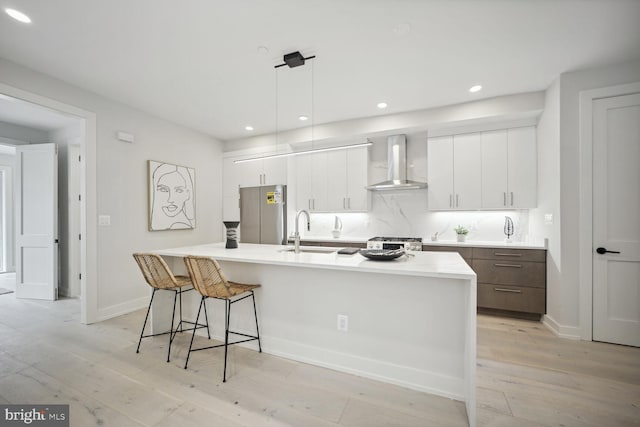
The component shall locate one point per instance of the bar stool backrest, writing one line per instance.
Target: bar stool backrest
(155, 271)
(207, 277)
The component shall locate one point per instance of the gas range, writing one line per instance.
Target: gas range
(409, 243)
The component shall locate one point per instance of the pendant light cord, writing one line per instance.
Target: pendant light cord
(276, 70)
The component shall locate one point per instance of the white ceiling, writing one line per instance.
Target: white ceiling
(197, 62)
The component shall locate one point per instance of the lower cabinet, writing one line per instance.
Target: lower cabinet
(509, 280)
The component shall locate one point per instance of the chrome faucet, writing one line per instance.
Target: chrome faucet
(296, 236)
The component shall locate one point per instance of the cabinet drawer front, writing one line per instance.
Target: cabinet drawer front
(510, 272)
(465, 253)
(513, 298)
(538, 255)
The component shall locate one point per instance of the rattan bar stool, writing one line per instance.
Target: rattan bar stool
(209, 280)
(157, 274)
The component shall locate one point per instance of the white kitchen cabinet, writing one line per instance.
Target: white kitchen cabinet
(347, 180)
(522, 168)
(440, 172)
(332, 181)
(454, 172)
(467, 171)
(247, 174)
(494, 177)
(311, 182)
(252, 174)
(509, 169)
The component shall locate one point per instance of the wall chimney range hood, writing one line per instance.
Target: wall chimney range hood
(397, 168)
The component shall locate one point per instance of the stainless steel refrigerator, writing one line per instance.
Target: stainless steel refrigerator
(263, 214)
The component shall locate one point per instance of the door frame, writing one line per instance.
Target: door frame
(585, 222)
(88, 208)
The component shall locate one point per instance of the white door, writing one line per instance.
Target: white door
(616, 220)
(37, 221)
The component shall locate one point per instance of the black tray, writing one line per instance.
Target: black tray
(382, 254)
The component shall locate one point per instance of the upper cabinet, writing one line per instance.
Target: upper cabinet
(332, 181)
(253, 174)
(454, 172)
(311, 182)
(248, 174)
(483, 170)
(509, 177)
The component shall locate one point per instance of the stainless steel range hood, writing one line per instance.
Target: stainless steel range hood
(397, 172)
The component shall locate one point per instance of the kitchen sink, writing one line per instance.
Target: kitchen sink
(310, 249)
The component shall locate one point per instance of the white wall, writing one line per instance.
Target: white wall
(548, 144)
(7, 162)
(571, 84)
(121, 184)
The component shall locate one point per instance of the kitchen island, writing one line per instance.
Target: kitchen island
(411, 321)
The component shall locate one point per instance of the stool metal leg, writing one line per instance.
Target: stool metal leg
(194, 331)
(172, 334)
(206, 319)
(255, 313)
(144, 325)
(227, 312)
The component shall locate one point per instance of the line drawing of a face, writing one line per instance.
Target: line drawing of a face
(173, 205)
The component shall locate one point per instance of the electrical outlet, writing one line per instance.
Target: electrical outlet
(343, 322)
(548, 219)
(104, 220)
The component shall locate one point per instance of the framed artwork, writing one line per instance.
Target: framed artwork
(172, 196)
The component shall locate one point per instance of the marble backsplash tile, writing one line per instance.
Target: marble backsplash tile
(404, 213)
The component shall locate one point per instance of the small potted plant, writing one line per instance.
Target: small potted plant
(461, 233)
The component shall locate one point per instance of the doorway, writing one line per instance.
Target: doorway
(87, 177)
(610, 202)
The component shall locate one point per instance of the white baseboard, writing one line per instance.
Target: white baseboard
(568, 332)
(412, 378)
(122, 308)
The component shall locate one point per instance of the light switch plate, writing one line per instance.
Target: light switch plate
(104, 220)
(548, 219)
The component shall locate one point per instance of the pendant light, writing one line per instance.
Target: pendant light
(292, 60)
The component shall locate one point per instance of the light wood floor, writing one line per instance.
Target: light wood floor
(526, 377)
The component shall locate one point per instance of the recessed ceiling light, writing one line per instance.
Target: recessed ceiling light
(382, 105)
(303, 118)
(262, 50)
(476, 88)
(18, 16)
(249, 128)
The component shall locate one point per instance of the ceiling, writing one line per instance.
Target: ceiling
(202, 63)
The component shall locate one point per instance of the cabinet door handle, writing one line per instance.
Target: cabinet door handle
(349, 202)
(508, 265)
(450, 200)
(457, 200)
(515, 291)
(512, 198)
(309, 203)
(314, 203)
(504, 198)
(501, 254)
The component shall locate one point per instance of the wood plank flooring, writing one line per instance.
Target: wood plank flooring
(526, 377)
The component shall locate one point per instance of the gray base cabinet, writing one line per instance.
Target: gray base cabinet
(509, 280)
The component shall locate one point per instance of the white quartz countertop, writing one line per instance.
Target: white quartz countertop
(426, 264)
(428, 242)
